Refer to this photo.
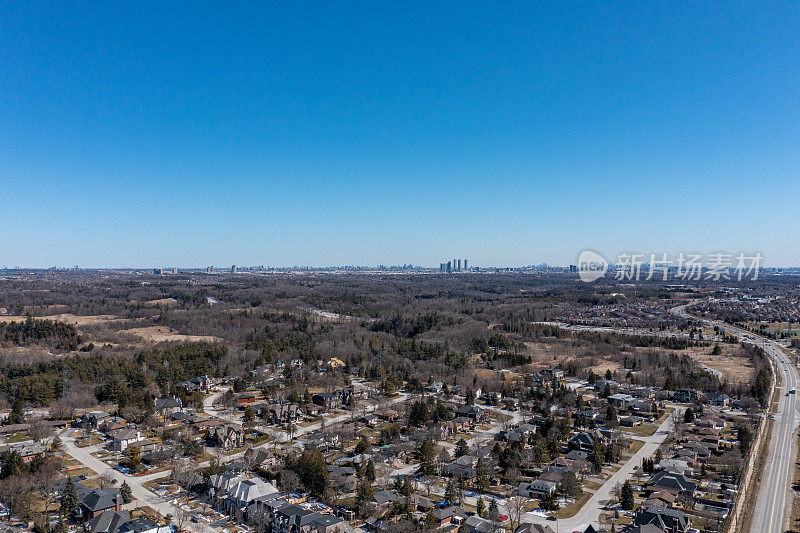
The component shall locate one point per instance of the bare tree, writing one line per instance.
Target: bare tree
(515, 511)
(16, 493)
(180, 519)
(47, 476)
(106, 479)
(40, 430)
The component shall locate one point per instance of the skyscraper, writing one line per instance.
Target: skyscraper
(459, 266)
(465, 265)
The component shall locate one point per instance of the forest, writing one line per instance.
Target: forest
(83, 336)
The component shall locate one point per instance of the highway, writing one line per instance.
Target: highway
(773, 494)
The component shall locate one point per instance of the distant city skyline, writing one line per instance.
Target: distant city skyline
(511, 134)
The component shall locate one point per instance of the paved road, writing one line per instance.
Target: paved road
(282, 435)
(773, 494)
(590, 512)
(144, 496)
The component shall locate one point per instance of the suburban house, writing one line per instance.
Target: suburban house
(669, 520)
(631, 421)
(328, 400)
(718, 399)
(585, 440)
(200, 383)
(666, 480)
(94, 502)
(163, 407)
(476, 524)
(243, 493)
(28, 450)
(107, 522)
(533, 528)
(123, 438)
(621, 401)
(93, 418)
(538, 488)
(281, 413)
(226, 436)
(143, 525)
(687, 396)
(473, 412)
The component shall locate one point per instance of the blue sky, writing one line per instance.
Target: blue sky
(375, 132)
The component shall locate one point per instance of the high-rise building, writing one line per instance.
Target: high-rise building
(458, 269)
(233, 269)
(465, 265)
(158, 271)
(449, 267)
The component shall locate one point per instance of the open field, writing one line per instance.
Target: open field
(732, 363)
(69, 318)
(165, 334)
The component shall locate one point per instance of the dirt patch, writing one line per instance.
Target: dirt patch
(165, 334)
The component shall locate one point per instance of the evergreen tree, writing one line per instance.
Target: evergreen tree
(69, 499)
(126, 492)
(248, 418)
(480, 507)
(17, 414)
(369, 471)
(611, 417)
(469, 397)
(419, 414)
(494, 513)
(12, 464)
(365, 492)
(481, 476)
(450, 495)
(626, 498)
(462, 448)
(427, 458)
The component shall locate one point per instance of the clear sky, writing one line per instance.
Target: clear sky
(328, 133)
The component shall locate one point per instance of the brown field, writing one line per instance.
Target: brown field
(733, 365)
(69, 318)
(162, 301)
(164, 334)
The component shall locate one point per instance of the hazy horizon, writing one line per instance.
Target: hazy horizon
(510, 134)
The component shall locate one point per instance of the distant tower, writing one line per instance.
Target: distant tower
(465, 265)
(233, 269)
(459, 266)
(449, 267)
(441, 267)
(454, 265)
(158, 271)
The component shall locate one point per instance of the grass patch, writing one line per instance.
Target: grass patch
(572, 509)
(645, 430)
(17, 437)
(635, 447)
